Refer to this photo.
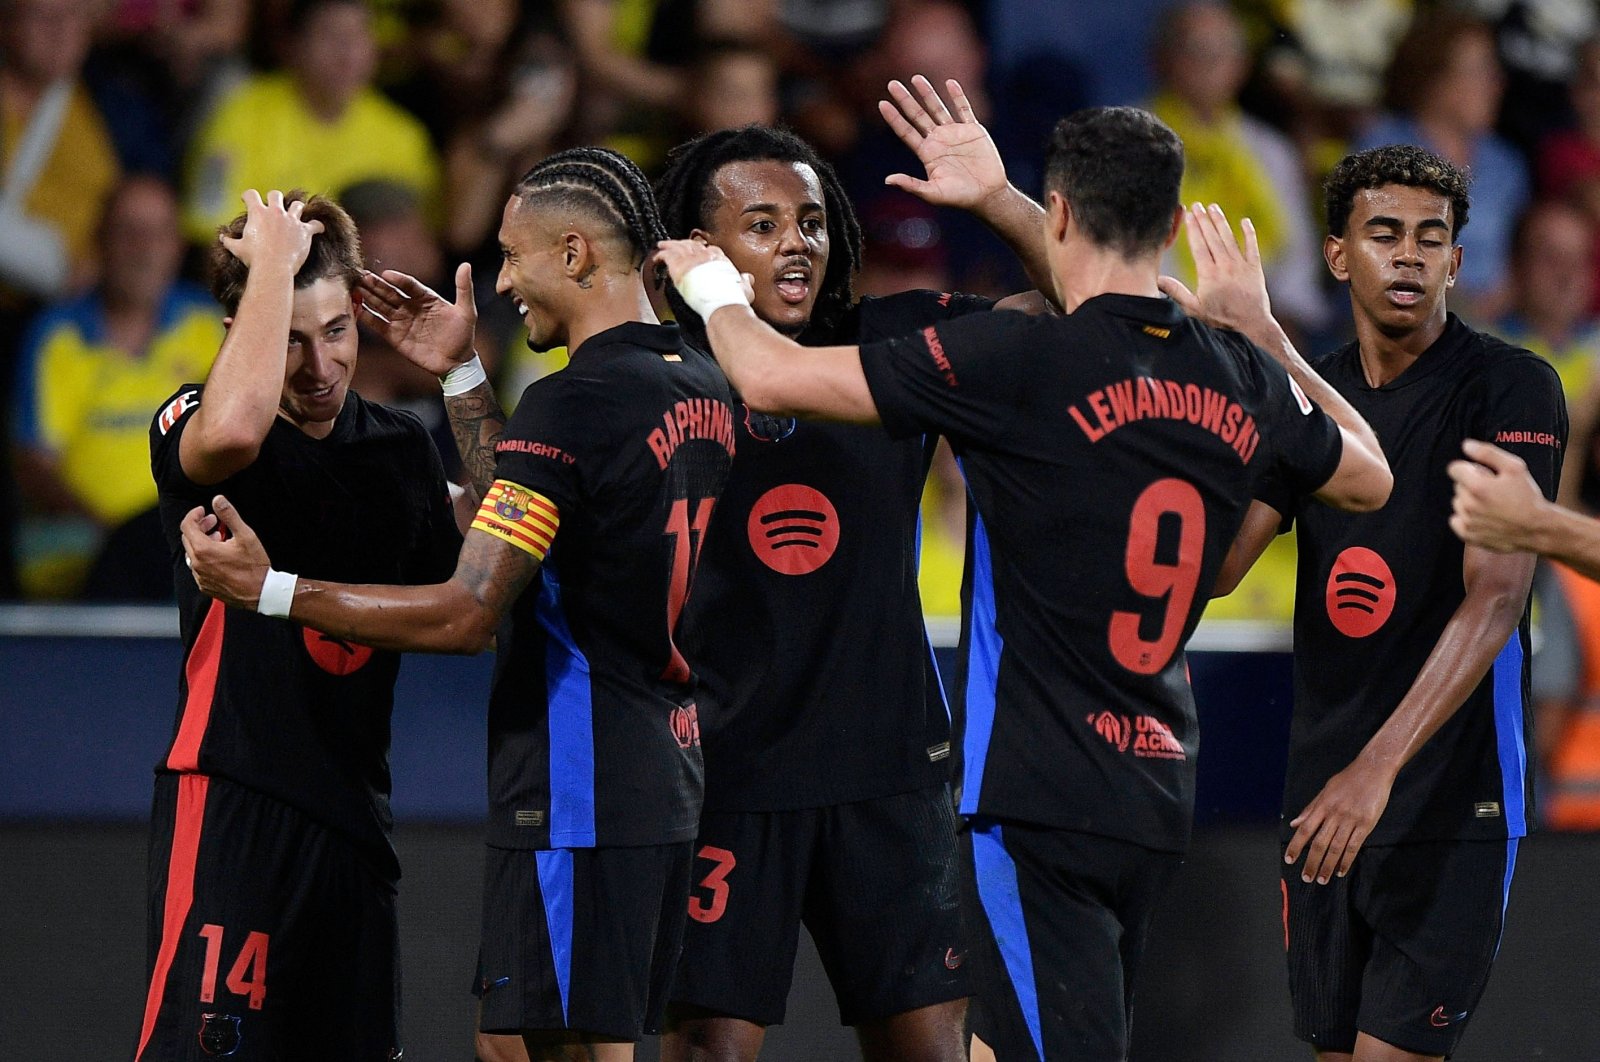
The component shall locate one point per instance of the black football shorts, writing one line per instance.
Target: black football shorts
(584, 939)
(875, 883)
(270, 936)
(1058, 922)
(1400, 948)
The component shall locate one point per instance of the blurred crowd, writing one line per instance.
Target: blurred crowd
(129, 128)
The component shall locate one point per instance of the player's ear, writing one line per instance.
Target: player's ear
(700, 236)
(1174, 228)
(1455, 266)
(1333, 254)
(1057, 217)
(575, 255)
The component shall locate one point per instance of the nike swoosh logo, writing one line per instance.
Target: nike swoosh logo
(1439, 1019)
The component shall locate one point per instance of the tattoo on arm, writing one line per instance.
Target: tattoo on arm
(494, 572)
(476, 419)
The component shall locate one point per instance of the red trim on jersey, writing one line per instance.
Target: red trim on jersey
(180, 893)
(200, 671)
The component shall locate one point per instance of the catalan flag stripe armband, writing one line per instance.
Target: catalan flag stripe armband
(525, 518)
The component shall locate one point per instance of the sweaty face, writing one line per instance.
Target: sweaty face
(770, 222)
(322, 356)
(530, 266)
(1397, 255)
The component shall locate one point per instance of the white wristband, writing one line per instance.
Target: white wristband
(277, 593)
(710, 286)
(463, 378)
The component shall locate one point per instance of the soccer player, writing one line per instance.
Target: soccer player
(827, 740)
(585, 546)
(1409, 739)
(272, 879)
(1111, 454)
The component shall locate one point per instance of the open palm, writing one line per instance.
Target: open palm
(417, 321)
(962, 163)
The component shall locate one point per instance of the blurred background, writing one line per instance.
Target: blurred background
(128, 128)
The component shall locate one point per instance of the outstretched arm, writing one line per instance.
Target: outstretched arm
(246, 382)
(772, 373)
(964, 170)
(1232, 293)
(458, 616)
(438, 336)
(1498, 506)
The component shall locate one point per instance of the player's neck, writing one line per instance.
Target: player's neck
(615, 300)
(1386, 355)
(1096, 271)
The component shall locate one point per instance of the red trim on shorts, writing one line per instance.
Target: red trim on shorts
(200, 673)
(180, 892)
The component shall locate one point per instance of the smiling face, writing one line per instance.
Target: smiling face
(530, 274)
(771, 223)
(322, 356)
(1398, 257)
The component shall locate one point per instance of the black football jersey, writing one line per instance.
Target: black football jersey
(1111, 455)
(594, 733)
(265, 702)
(818, 682)
(1375, 591)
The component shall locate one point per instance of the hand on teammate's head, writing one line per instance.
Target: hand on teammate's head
(272, 232)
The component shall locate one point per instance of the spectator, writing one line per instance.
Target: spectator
(1552, 261)
(93, 371)
(1569, 160)
(634, 58)
(1230, 158)
(732, 84)
(59, 160)
(1444, 86)
(1326, 59)
(1538, 42)
(318, 125)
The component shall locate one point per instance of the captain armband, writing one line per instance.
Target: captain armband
(525, 518)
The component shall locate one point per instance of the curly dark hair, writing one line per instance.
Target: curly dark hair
(1119, 169)
(1402, 164)
(335, 251)
(687, 192)
(606, 183)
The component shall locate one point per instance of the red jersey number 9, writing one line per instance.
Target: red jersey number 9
(1172, 582)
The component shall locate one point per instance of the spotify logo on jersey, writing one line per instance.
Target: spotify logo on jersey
(335, 655)
(1360, 592)
(793, 529)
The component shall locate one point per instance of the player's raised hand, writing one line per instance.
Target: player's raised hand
(228, 560)
(963, 165)
(1230, 285)
(1338, 821)
(432, 333)
(272, 232)
(1496, 501)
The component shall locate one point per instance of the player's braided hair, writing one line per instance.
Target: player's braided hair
(688, 195)
(608, 184)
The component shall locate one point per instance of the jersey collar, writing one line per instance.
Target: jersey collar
(1440, 353)
(1160, 311)
(663, 338)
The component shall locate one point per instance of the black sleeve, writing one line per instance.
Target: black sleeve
(963, 379)
(887, 316)
(166, 428)
(1524, 412)
(1306, 445)
(546, 445)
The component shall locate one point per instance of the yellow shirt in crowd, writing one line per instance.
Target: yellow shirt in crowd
(80, 173)
(263, 136)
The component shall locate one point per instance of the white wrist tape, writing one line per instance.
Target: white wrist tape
(463, 378)
(710, 286)
(277, 593)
